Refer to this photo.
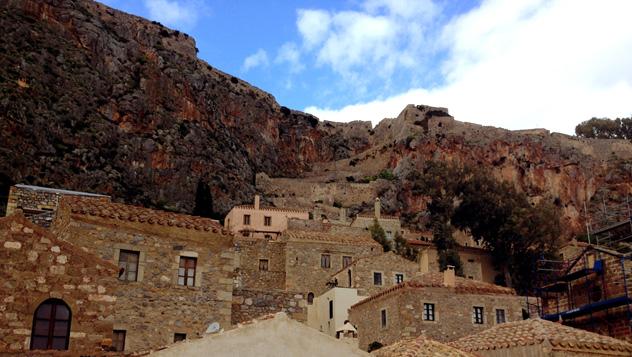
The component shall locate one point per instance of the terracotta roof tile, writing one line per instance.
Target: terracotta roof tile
(418, 347)
(435, 280)
(276, 209)
(328, 237)
(99, 207)
(536, 331)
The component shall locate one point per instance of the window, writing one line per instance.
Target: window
(51, 326)
(263, 264)
(389, 235)
(128, 265)
(331, 309)
(377, 278)
(267, 236)
(177, 337)
(429, 312)
(246, 220)
(310, 298)
(500, 316)
(118, 340)
(477, 315)
(267, 221)
(346, 261)
(399, 278)
(325, 261)
(383, 318)
(186, 272)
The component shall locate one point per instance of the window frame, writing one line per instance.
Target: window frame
(381, 280)
(504, 316)
(127, 253)
(266, 264)
(267, 221)
(51, 320)
(383, 318)
(346, 261)
(116, 341)
(325, 261)
(429, 312)
(478, 315)
(187, 276)
(246, 220)
(331, 309)
(396, 280)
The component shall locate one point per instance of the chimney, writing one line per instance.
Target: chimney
(424, 263)
(449, 279)
(378, 208)
(343, 215)
(257, 199)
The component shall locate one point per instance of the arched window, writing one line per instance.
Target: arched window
(51, 326)
(310, 298)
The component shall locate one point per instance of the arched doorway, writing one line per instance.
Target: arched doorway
(51, 326)
(310, 298)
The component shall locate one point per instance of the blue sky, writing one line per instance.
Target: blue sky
(516, 64)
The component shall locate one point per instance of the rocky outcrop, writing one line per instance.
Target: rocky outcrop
(97, 100)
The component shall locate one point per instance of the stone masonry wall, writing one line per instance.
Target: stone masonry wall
(303, 263)
(36, 266)
(154, 308)
(453, 314)
(249, 276)
(251, 304)
(388, 264)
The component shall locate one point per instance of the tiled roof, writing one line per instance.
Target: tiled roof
(106, 209)
(435, 280)
(276, 209)
(535, 332)
(328, 237)
(419, 347)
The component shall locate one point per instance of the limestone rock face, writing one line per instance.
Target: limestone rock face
(97, 100)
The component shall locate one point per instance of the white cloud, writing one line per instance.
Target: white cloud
(525, 64)
(313, 26)
(259, 58)
(290, 54)
(181, 14)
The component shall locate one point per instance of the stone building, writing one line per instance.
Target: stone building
(175, 272)
(439, 305)
(260, 222)
(540, 338)
(329, 311)
(592, 291)
(476, 261)
(390, 224)
(53, 295)
(372, 274)
(312, 256)
(39, 204)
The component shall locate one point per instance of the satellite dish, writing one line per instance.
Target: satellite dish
(213, 328)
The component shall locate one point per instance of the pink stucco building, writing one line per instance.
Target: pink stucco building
(260, 222)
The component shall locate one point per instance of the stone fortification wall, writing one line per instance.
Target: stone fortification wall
(250, 304)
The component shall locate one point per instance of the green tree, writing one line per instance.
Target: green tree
(400, 246)
(604, 128)
(378, 235)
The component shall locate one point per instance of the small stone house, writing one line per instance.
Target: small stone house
(541, 338)
(175, 272)
(53, 295)
(439, 305)
(374, 273)
(312, 256)
(260, 222)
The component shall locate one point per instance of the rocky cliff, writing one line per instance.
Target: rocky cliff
(97, 100)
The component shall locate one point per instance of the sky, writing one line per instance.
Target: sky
(516, 64)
